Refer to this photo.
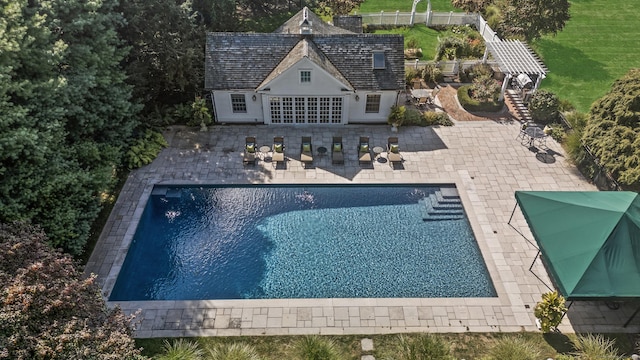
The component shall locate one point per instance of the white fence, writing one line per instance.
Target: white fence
(431, 18)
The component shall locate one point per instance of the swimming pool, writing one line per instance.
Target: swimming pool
(275, 241)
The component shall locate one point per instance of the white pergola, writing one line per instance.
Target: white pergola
(514, 57)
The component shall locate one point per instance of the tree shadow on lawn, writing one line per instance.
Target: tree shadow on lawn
(571, 63)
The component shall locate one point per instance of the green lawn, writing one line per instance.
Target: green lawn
(598, 45)
(427, 38)
(370, 6)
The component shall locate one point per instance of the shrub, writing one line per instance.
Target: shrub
(550, 310)
(513, 348)
(470, 73)
(409, 75)
(413, 117)
(432, 74)
(556, 132)
(484, 88)
(233, 351)
(145, 149)
(436, 118)
(49, 310)
(595, 347)
(577, 120)
(181, 350)
(397, 115)
(193, 114)
(472, 105)
(314, 347)
(424, 346)
(544, 107)
(451, 48)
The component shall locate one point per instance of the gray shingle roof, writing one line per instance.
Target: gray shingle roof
(244, 61)
(319, 27)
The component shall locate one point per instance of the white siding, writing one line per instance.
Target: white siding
(288, 84)
(357, 112)
(224, 112)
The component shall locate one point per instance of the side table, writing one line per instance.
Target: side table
(264, 150)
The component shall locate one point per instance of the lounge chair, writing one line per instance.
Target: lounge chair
(306, 151)
(393, 151)
(364, 152)
(337, 150)
(249, 150)
(278, 150)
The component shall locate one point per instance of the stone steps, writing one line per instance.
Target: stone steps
(444, 204)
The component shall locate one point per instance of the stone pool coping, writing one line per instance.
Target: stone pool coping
(482, 159)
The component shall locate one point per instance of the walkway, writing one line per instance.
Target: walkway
(481, 157)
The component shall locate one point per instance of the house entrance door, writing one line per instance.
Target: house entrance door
(306, 109)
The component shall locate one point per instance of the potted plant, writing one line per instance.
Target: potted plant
(550, 311)
(396, 117)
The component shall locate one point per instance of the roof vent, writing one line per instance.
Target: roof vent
(305, 24)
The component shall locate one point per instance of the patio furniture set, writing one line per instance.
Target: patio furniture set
(276, 153)
(532, 135)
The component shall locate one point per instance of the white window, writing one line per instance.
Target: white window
(305, 76)
(238, 103)
(373, 103)
(378, 60)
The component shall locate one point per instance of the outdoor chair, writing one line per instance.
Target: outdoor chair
(423, 102)
(249, 156)
(306, 151)
(364, 152)
(337, 150)
(278, 150)
(393, 151)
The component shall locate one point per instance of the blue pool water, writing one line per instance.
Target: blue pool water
(265, 242)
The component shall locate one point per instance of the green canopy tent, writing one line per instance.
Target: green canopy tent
(589, 241)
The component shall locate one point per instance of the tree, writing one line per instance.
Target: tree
(471, 6)
(337, 7)
(65, 114)
(612, 132)
(531, 19)
(48, 311)
(165, 67)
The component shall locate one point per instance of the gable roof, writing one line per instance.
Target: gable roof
(318, 27)
(235, 61)
(305, 48)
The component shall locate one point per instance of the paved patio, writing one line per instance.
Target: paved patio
(481, 157)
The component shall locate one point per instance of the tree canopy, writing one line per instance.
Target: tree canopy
(65, 113)
(612, 132)
(526, 19)
(48, 311)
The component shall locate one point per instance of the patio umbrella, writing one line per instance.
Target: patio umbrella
(589, 241)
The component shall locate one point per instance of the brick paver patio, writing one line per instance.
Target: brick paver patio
(481, 157)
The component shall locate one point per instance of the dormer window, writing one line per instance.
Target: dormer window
(378, 60)
(305, 76)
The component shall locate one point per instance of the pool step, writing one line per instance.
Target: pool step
(166, 191)
(444, 204)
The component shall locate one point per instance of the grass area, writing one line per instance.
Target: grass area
(370, 6)
(598, 45)
(464, 345)
(427, 38)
